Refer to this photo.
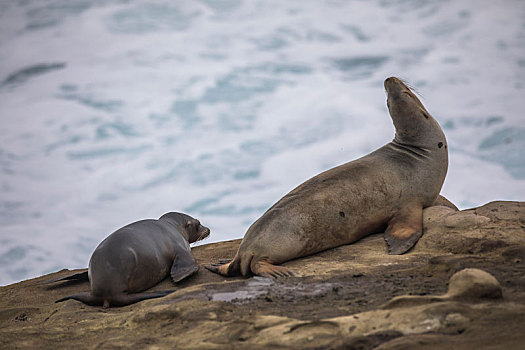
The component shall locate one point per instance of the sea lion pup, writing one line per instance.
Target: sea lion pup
(137, 257)
(387, 188)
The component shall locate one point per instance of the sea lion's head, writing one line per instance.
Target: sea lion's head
(191, 228)
(195, 230)
(413, 123)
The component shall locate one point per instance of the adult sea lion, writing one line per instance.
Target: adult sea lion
(387, 188)
(137, 257)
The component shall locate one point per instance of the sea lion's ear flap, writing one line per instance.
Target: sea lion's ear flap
(188, 224)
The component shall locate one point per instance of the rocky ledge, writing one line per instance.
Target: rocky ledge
(461, 287)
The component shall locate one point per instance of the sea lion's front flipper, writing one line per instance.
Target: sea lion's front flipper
(404, 230)
(265, 269)
(183, 266)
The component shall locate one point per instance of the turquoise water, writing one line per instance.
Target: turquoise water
(114, 111)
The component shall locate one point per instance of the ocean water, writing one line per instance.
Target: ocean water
(113, 111)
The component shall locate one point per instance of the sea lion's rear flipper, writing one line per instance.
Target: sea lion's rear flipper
(230, 267)
(77, 277)
(116, 300)
(127, 299)
(183, 266)
(222, 267)
(86, 298)
(404, 230)
(265, 269)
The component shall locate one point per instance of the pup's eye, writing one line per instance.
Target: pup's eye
(425, 115)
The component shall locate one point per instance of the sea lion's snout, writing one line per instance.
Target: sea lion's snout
(203, 232)
(391, 80)
(395, 87)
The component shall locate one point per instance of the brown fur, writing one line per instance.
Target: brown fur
(386, 188)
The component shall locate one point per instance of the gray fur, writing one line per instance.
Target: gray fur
(140, 255)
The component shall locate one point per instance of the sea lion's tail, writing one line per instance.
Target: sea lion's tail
(114, 300)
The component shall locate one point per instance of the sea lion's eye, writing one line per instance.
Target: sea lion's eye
(188, 223)
(425, 115)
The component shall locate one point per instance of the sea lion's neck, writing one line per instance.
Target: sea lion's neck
(178, 223)
(414, 151)
(423, 134)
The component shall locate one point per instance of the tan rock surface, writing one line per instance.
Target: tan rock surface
(343, 299)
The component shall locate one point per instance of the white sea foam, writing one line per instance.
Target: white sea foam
(113, 111)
